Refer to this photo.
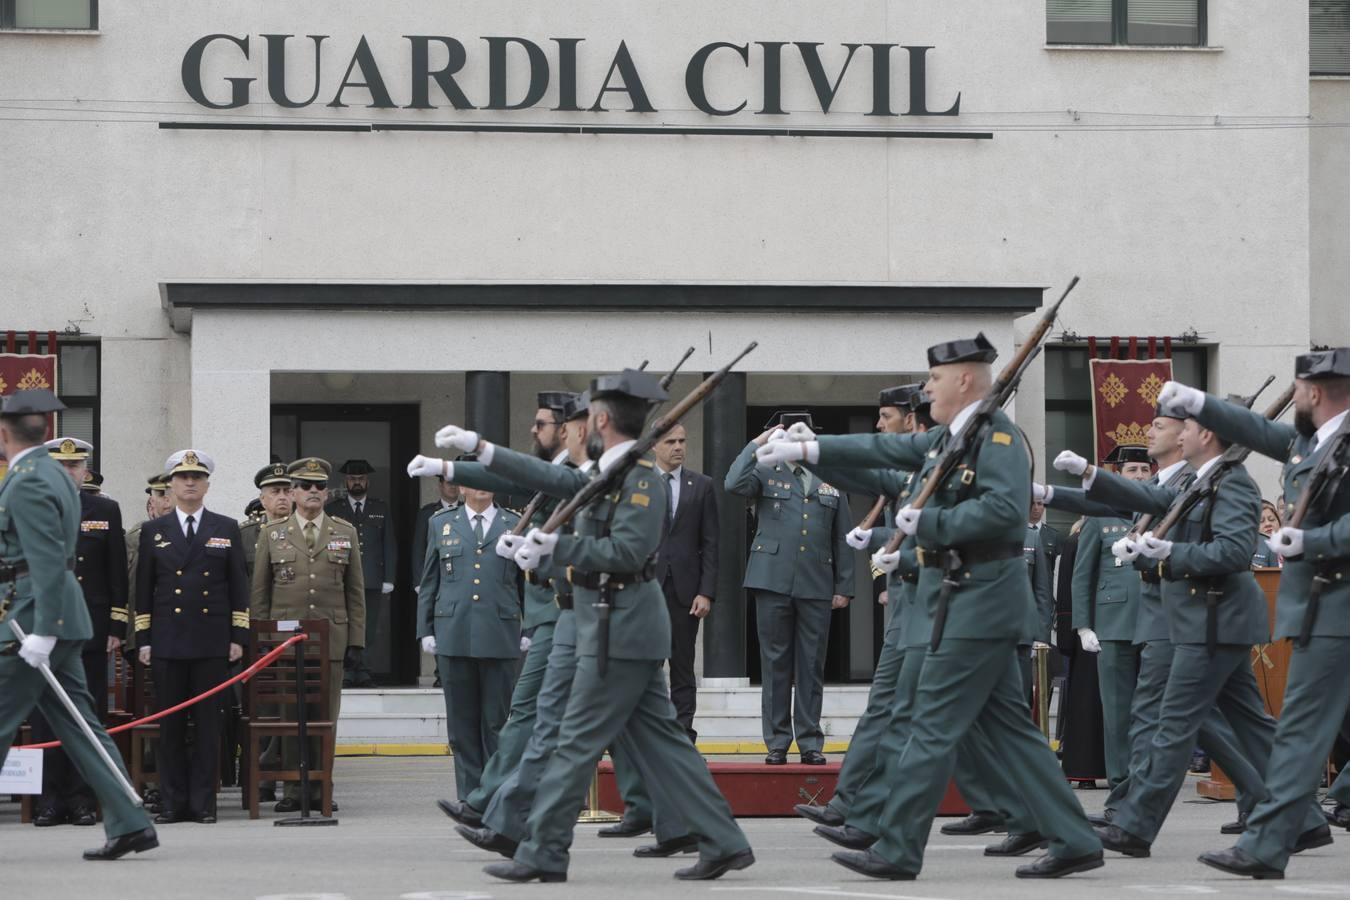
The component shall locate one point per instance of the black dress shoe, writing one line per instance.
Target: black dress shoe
(48, 817)
(708, 869)
(813, 758)
(975, 823)
(1237, 827)
(169, 818)
(1017, 844)
(461, 812)
(865, 862)
(1313, 838)
(489, 840)
(1237, 862)
(83, 816)
(821, 815)
(1113, 837)
(625, 828)
(776, 758)
(287, 805)
(115, 848)
(521, 873)
(1049, 866)
(205, 819)
(1101, 820)
(686, 844)
(846, 836)
(1339, 816)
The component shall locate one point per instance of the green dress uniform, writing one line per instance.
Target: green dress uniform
(799, 560)
(1211, 551)
(972, 678)
(292, 580)
(39, 534)
(1106, 599)
(469, 600)
(1318, 691)
(506, 809)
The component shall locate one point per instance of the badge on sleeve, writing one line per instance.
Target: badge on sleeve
(1002, 437)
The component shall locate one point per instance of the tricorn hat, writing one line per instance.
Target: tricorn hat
(629, 383)
(788, 418)
(356, 467)
(578, 407)
(900, 396)
(1332, 363)
(1126, 453)
(555, 401)
(976, 349)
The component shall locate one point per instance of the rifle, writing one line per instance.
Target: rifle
(605, 481)
(540, 497)
(967, 439)
(1323, 481)
(873, 514)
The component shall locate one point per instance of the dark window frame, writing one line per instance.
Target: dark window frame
(9, 16)
(1312, 70)
(1120, 25)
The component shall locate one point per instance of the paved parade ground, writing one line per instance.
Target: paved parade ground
(394, 843)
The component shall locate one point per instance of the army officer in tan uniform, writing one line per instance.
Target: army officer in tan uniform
(308, 566)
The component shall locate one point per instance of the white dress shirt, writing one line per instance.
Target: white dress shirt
(489, 516)
(196, 519)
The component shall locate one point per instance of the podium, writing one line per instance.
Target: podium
(1270, 664)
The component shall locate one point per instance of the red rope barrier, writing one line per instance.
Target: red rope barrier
(245, 675)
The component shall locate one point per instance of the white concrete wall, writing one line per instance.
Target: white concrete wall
(1329, 212)
(1205, 227)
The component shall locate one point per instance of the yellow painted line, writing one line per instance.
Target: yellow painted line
(711, 748)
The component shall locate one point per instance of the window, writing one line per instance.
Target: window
(72, 14)
(1141, 22)
(1068, 404)
(1329, 37)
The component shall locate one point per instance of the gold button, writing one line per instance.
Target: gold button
(476, 581)
(801, 548)
(477, 566)
(806, 515)
(311, 606)
(803, 532)
(80, 558)
(479, 552)
(205, 610)
(206, 573)
(79, 578)
(312, 575)
(206, 593)
(475, 596)
(178, 590)
(179, 572)
(177, 610)
(312, 591)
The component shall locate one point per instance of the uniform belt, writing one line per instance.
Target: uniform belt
(19, 569)
(971, 555)
(1151, 576)
(564, 601)
(617, 580)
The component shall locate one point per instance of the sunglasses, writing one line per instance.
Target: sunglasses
(541, 424)
(309, 486)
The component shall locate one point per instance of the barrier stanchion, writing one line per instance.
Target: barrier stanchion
(593, 814)
(1043, 689)
(302, 729)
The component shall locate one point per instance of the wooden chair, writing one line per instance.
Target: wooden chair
(271, 699)
(142, 695)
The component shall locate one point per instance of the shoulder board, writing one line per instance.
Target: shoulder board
(443, 512)
(342, 521)
(277, 521)
(646, 463)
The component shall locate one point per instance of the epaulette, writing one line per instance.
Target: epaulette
(646, 463)
(342, 521)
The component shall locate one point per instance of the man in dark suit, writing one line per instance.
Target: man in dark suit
(192, 581)
(686, 565)
(100, 569)
(375, 533)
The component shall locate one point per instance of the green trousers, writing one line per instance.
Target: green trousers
(477, 699)
(863, 747)
(1117, 673)
(22, 688)
(1316, 699)
(793, 637)
(962, 684)
(515, 734)
(632, 700)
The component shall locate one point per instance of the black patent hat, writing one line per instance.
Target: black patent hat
(1332, 363)
(555, 401)
(790, 417)
(1127, 453)
(578, 407)
(356, 467)
(977, 349)
(629, 383)
(901, 396)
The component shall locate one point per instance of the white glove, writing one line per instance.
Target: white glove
(800, 432)
(1154, 548)
(1177, 395)
(452, 436)
(1089, 639)
(1042, 493)
(775, 452)
(1070, 462)
(886, 562)
(429, 645)
(425, 467)
(858, 538)
(386, 587)
(525, 644)
(907, 519)
(508, 544)
(1125, 550)
(36, 649)
(1287, 542)
(536, 547)
(777, 434)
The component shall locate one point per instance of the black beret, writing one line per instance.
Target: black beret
(629, 383)
(1333, 363)
(977, 349)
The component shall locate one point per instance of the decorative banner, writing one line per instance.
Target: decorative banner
(1124, 397)
(25, 371)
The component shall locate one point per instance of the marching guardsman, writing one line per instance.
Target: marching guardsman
(1314, 602)
(1215, 611)
(192, 585)
(611, 555)
(100, 569)
(274, 495)
(800, 570)
(375, 535)
(39, 547)
(1105, 612)
(969, 536)
(468, 618)
(309, 567)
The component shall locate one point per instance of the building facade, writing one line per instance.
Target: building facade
(307, 228)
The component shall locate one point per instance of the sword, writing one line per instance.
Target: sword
(75, 713)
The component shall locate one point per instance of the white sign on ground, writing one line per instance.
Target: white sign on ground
(21, 772)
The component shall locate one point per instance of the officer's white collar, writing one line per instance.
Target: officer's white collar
(1328, 428)
(586, 466)
(962, 418)
(560, 458)
(1165, 475)
(22, 453)
(1207, 465)
(614, 454)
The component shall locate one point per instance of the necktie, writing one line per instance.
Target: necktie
(311, 535)
(478, 528)
(667, 479)
(359, 506)
(191, 530)
(804, 477)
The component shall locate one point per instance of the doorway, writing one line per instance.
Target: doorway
(385, 435)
